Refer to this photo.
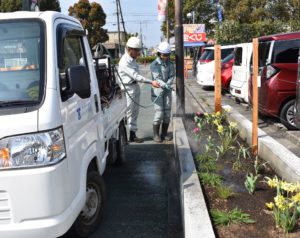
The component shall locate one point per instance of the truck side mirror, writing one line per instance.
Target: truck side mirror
(78, 81)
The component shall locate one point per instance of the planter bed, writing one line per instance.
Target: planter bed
(233, 174)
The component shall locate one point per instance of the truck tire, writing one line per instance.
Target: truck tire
(287, 115)
(121, 143)
(90, 216)
(112, 151)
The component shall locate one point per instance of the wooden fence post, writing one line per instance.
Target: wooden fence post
(218, 107)
(255, 99)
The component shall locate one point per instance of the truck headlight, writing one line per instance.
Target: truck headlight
(32, 150)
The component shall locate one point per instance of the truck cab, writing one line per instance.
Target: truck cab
(56, 135)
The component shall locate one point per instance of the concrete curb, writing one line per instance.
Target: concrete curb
(196, 220)
(284, 162)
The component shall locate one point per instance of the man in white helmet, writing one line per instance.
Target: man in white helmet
(163, 71)
(130, 76)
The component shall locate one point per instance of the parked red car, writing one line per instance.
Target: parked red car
(226, 71)
(278, 55)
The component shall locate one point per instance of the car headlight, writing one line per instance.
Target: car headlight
(32, 150)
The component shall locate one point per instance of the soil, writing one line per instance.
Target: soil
(254, 205)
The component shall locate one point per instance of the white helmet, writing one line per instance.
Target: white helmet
(164, 48)
(134, 42)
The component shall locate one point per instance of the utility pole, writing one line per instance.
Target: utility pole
(119, 37)
(167, 23)
(122, 21)
(180, 97)
(141, 34)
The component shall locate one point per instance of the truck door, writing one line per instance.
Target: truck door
(79, 114)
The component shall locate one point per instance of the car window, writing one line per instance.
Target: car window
(263, 53)
(238, 56)
(226, 52)
(227, 58)
(204, 54)
(286, 51)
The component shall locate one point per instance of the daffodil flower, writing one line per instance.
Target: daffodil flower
(220, 129)
(270, 205)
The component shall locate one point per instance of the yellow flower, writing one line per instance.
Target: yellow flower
(220, 129)
(218, 114)
(206, 114)
(289, 187)
(216, 122)
(270, 205)
(233, 124)
(296, 198)
(273, 182)
(279, 202)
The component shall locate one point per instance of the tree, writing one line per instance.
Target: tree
(50, 5)
(10, 5)
(92, 17)
(203, 10)
(247, 19)
(171, 18)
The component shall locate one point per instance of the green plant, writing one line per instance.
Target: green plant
(225, 192)
(243, 152)
(250, 182)
(228, 136)
(206, 163)
(251, 179)
(286, 205)
(234, 216)
(210, 179)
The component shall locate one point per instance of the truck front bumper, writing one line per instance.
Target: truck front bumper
(37, 202)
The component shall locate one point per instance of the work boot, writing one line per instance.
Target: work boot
(164, 132)
(133, 138)
(156, 137)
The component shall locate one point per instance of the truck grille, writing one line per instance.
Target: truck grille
(5, 211)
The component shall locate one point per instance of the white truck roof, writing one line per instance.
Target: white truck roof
(46, 15)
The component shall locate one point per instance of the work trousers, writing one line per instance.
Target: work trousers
(132, 108)
(162, 108)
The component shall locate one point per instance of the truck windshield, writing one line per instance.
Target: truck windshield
(20, 62)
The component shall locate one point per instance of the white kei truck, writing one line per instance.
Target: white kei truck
(62, 119)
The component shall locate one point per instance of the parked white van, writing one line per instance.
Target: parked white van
(56, 131)
(241, 71)
(206, 66)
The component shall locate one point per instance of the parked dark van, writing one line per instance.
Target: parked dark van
(278, 57)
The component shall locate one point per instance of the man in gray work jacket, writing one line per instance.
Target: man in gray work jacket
(163, 71)
(130, 76)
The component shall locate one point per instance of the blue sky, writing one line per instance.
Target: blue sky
(139, 15)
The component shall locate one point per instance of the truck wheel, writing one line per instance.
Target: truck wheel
(287, 115)
(90, 216)
(121, 143)
(112, 153)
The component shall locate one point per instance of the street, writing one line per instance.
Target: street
(142, 197)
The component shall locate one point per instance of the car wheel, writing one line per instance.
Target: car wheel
(90, 216)
(121, 144)
(287, 115)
